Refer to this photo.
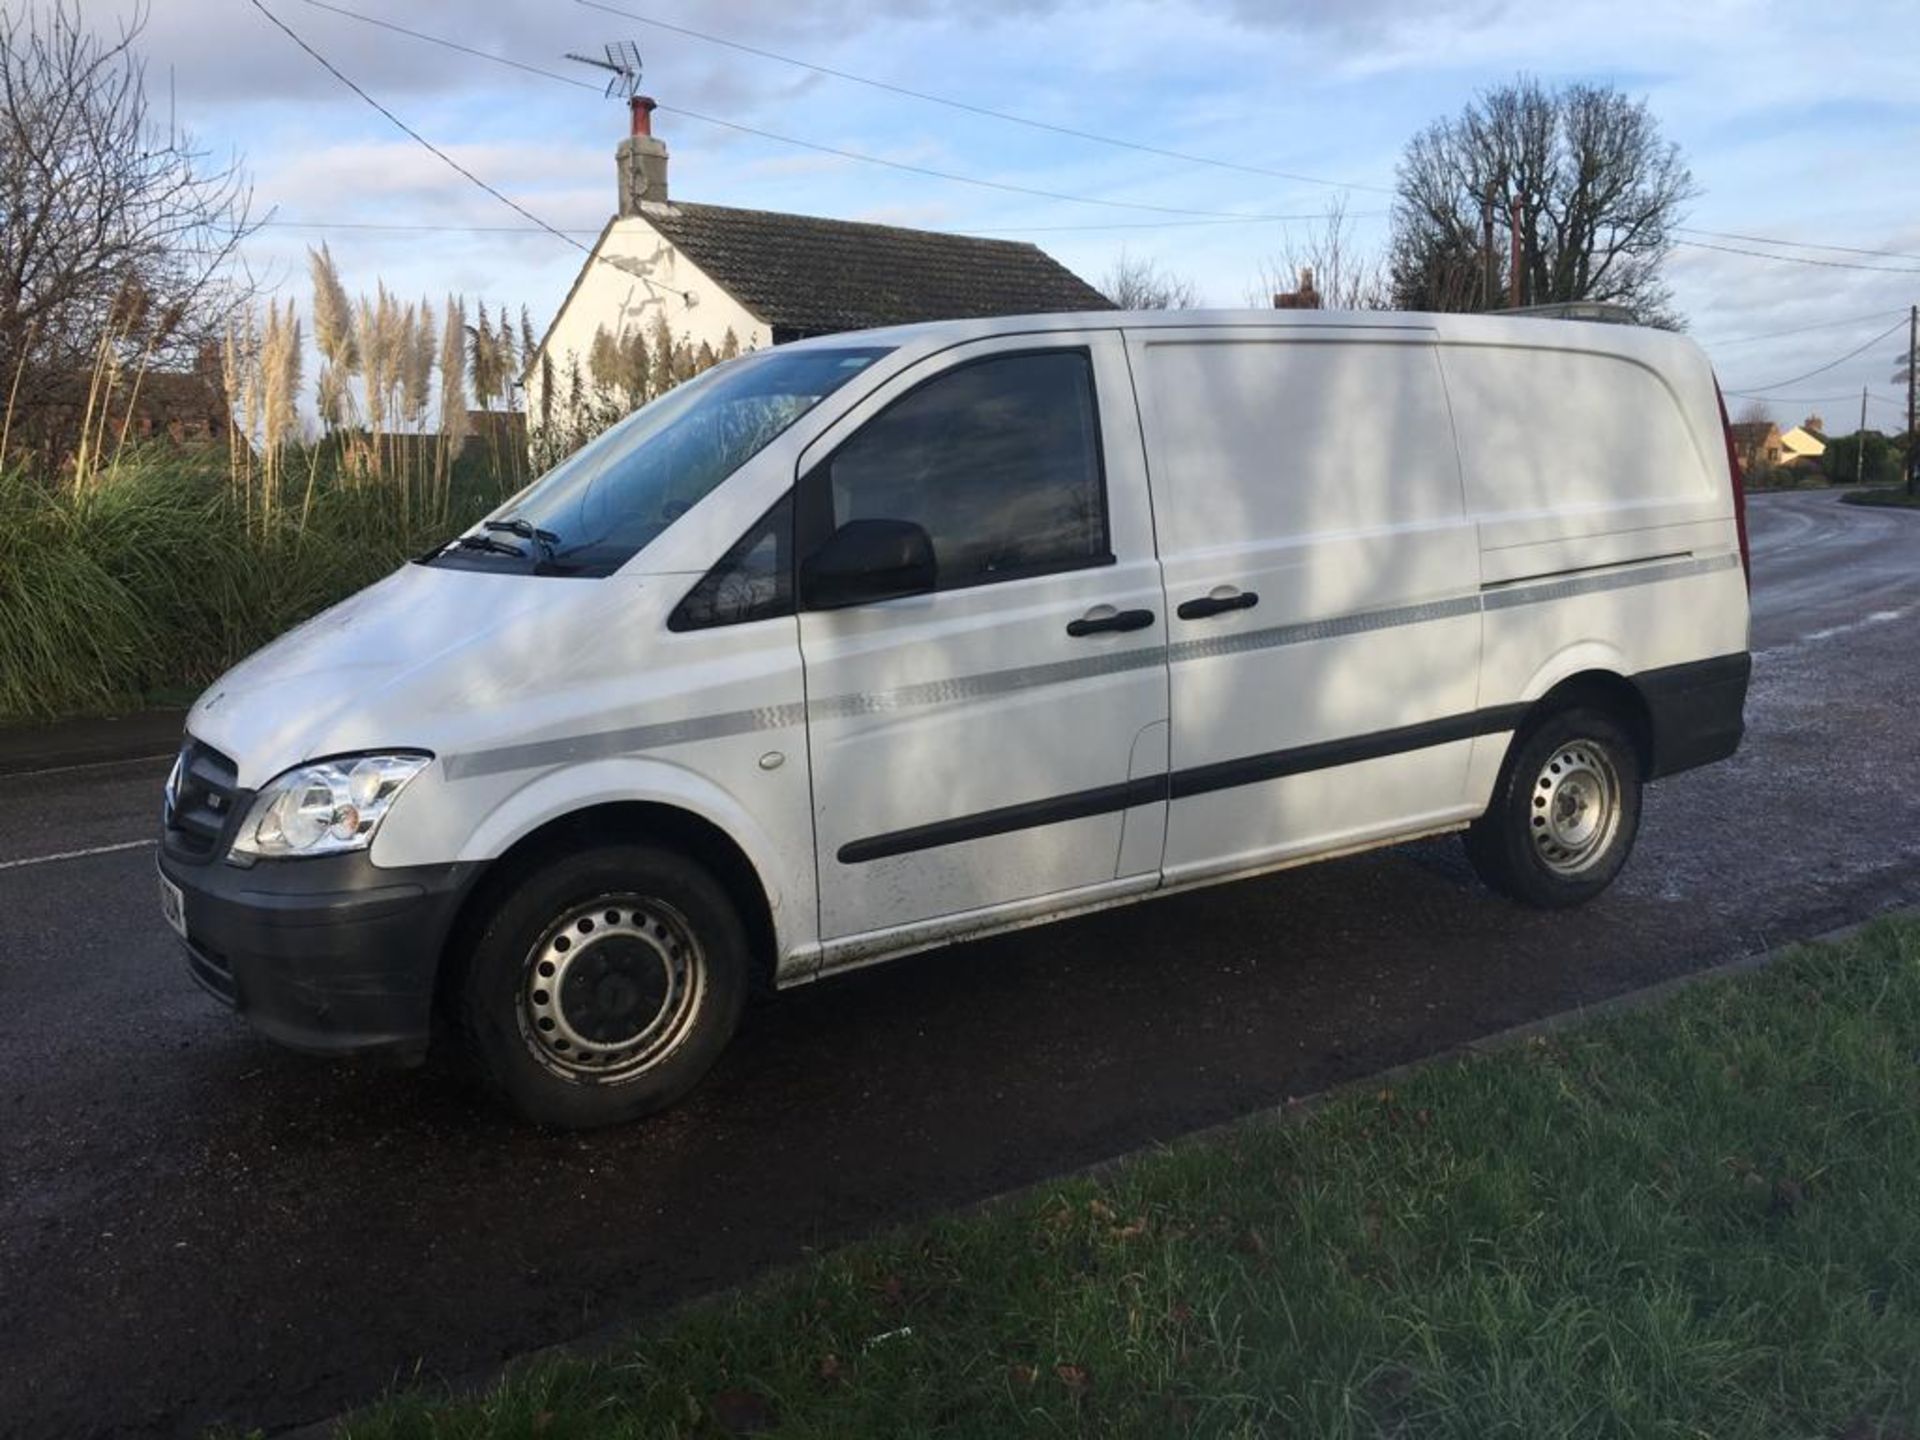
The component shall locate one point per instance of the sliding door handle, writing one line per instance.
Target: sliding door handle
(1094, 622)
(1217, 605)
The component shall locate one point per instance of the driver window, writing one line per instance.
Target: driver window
(998, 460)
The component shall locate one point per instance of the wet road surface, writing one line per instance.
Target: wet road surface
(197, 1228)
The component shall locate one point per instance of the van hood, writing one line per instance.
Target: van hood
(343, 681)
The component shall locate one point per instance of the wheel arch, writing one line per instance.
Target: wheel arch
(1608, 691)
(1590, 673)
(606, 822)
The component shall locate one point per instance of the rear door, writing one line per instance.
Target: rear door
(1323, 575)
(1001, 740)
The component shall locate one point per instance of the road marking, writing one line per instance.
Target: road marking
(1878, 617)
(76, 854)
(90, 765)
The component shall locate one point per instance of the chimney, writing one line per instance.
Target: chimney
(641, 161)
(1305, 298)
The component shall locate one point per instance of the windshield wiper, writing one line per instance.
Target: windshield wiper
(486, 543)
(527, 530)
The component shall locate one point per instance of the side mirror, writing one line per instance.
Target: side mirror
(867, 560)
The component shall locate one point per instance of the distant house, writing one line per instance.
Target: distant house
(183, 407)
(727, 280)
(1806, 442)
(1758, 444)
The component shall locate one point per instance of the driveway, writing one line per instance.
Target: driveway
(195, 1227)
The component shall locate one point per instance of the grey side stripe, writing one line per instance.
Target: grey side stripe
(993, 682)
(607, 744)
(1356, 624)
(634, 739)
(1530, 594)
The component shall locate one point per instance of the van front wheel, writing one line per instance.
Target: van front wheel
(1564, 813)
(604, 985)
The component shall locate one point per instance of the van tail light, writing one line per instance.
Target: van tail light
(1739, 486)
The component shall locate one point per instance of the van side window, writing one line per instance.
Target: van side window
(998, 460)
(753, 581)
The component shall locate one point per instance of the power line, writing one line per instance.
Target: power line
(398, 29)
(1815, 399)
(1802, 329)
(985, 110)
(1797, 244)
(1802, 259)
(414, 134)
(949, 175)
(1820, 369)
(445, 229)
(924, 170)
(421, 229)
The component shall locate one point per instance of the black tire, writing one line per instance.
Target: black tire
(1529, 845)
(649, 967)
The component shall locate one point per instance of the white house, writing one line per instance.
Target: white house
(1805, 441)
(746, 279)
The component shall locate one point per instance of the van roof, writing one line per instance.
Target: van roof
(1489, 329)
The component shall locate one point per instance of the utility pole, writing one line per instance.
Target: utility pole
(1486, 250)
(1913, 353)
(1515, 294)
(1860, 441)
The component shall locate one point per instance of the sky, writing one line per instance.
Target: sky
(1796, 120)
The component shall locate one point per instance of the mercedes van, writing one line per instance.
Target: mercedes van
(867, 643)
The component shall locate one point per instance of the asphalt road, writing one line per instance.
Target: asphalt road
(197, 1228)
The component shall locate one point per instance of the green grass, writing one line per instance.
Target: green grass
(1894, 495)
(146, 587)
(1699, 1220)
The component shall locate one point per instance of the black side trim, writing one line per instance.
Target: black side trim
(1251, 769)
(1025, 816)
(1697, 711)
(1200, 780)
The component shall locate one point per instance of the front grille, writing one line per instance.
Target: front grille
(202, 802)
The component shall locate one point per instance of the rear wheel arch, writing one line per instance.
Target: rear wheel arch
(1607, 691)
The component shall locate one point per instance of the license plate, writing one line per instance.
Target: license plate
(173, 906)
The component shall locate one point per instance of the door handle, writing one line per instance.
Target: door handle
(1217, 605)
(1093, 623)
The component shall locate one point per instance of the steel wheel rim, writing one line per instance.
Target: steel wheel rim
(611, 988)
(1575, 810)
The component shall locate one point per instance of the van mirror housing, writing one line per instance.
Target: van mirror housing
(868, 560)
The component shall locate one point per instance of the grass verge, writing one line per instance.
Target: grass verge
(1893, 495)
(1702, 1219)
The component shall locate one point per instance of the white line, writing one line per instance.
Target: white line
(91, 765)
(76, 854)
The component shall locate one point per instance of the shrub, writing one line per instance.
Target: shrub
(158, 575)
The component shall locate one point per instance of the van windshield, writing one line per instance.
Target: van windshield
(613, 497)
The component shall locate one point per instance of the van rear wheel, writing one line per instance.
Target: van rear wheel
(604, 985)
(1564, 813)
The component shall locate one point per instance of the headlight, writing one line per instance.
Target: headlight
(326, 808)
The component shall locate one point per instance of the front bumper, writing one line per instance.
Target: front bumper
(332, 955)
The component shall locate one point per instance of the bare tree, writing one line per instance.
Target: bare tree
(1582, 172)
(1138, 283)
(1754, 412)
(1344, 275)
(115, 230)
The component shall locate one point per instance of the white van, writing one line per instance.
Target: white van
(867, 643)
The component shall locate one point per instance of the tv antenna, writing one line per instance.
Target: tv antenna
(623, 64)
